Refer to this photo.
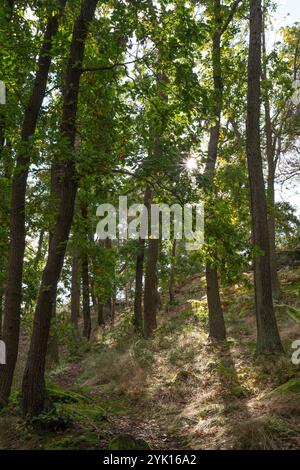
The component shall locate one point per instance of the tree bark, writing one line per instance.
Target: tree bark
(150, 293)
(33, 387)
(139, 271)
(172, 273)
(75, 289)
(138, 295)
(86, 309)
(12, 303)
(100, 316)
(216, 321)
(268, 340)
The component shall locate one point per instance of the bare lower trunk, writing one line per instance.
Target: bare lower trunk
(268, 340)
(86, 309)
(138, 297)
(75, 289)
(33, 387)
(150, 294)
(12, 304)
(172, 273)
(216, 321)
(100, 313)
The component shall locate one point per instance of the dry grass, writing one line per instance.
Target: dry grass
(180, 384)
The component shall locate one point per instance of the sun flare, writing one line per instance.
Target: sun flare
(191, 164)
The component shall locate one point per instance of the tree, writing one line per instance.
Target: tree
(13, 294)
(215, 314)
(268, 340)
(33, 386)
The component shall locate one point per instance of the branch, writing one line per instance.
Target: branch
(230, 16)
(113, 66)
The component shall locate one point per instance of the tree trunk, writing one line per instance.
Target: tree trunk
(215, 314)
(138, 295)
(150, 293)
(101, 319)
(172, 273)
(86, 309)
(12, 303)
(216, 322)
(268, 340)
(75, 289)
(53, 346)
(151, 297)
(33, 387)
(271, 162)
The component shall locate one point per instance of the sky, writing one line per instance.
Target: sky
(288, 13)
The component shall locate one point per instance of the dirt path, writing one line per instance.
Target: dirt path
(131, 424)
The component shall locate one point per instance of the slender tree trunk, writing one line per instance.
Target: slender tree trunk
(37, 259)
(86, 308)
(138, 295)
(268, 340)
(101, 319)
(75, 289)
(33, 387)
(151, 297)
(172, 273)
(53, 346)
(216, 322)
(12, 303)
(215, 314)
(150, 293)
(271, 161)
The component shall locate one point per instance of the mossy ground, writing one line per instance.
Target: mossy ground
(175, 390)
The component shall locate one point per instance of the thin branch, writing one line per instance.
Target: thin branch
(230, 16)
(115, 65)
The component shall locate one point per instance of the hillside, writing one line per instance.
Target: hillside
(176, 390)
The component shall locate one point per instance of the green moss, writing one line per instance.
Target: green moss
(291, 386)
(251, 345)
(71, 442)
(59, 395)
(126, 442)
(240, 391)
(85, 412)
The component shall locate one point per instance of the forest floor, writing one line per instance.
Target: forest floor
(176, 390)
